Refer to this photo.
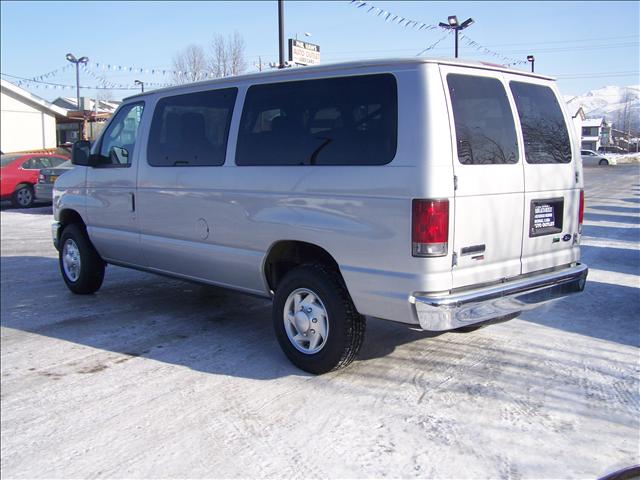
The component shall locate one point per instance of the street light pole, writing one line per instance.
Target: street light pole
(77, 61)
(138, 82)
(532, 59)
(453, 25)
(281, 32)
(456, 48)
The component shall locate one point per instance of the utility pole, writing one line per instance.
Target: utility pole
(281, 32)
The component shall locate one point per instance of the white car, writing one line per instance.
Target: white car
(591, 158)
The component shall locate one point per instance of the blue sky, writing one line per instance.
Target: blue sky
(586, 45)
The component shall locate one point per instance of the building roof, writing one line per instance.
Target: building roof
(580, 112)
(593, 122)
(104, 106)
(32, 99)
(331, 67)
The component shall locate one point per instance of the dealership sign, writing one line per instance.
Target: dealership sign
(303, 53)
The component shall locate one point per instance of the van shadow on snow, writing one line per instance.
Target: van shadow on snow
(218, 331)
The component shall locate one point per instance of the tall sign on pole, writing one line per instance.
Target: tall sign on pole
(303, 53)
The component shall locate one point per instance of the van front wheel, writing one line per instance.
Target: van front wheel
(315, 321)
(80, 265)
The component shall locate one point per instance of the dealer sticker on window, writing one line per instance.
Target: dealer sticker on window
(546, 216)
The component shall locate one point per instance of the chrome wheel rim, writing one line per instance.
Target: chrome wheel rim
(24, 197)
(71, 260)
(306, 321)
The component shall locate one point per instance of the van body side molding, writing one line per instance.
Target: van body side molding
(447, 312)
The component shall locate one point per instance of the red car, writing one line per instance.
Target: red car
(19, 173)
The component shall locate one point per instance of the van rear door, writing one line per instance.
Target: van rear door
(552, 176)
(487, 163)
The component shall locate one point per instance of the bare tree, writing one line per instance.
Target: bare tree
(227, 55)
(190, 64)
(104, 95)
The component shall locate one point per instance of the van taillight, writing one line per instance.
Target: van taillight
(581, 211)
(429, 228)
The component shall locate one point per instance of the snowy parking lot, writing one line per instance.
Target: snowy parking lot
(157, 378)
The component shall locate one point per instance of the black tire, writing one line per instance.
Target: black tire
(603, 162)
(23, 197)
(91, 266)
(346, 325)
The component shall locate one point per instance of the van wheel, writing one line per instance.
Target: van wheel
(315, 321)
(23, 197)
(81, 267)
(603, 162)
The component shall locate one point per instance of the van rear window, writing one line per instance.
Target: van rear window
(485, 129)
(331, 121)
(191, 129)
(546, 139)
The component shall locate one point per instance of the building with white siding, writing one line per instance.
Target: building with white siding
(27, 122)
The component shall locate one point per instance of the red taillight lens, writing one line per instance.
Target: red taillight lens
(429, 227)
(581, 211)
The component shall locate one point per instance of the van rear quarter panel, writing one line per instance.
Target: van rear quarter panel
(361, 215)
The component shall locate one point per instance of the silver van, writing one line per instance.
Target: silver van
(437, 193)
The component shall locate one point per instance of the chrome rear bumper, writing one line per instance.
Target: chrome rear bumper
(446, 312)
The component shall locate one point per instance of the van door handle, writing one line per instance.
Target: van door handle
(473, 249)
(133, 202)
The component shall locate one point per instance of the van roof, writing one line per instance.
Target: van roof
(336, 67)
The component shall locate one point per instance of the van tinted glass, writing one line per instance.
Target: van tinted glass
(191, 129)
(118, 141)
(546, 139)
(333, 121)
(485, 130)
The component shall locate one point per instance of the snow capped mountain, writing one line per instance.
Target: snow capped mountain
(619, 105)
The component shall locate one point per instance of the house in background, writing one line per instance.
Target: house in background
(578, 119)
(27, 122)
(91, 118)
(596, 133)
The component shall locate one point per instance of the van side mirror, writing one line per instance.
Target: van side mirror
(81, 153)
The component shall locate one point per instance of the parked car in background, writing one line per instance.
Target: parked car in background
(591, 158)
(19, 174)
(46, 179)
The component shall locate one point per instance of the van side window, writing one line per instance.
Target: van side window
(485, 129)
(118, 141)
(332, 121)
(546, 139)
(191, 129)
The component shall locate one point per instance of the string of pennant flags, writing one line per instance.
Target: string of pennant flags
(388, 16)
(153, 71)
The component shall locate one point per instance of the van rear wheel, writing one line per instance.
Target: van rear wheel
(315, 321)
(80, 265)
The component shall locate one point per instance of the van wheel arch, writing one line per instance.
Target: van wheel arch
(68, 217)
(285, 255)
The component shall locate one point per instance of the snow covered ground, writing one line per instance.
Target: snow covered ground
(158, 378)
